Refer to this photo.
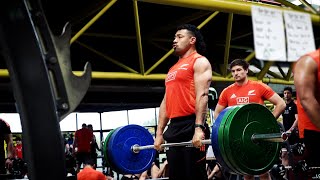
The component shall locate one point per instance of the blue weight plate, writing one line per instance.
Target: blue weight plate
(218, 150)
(123, 159)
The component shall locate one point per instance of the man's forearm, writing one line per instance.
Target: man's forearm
(201, 109)
(163, 119)
(11, 151)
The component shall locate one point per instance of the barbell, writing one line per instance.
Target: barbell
(245, 139)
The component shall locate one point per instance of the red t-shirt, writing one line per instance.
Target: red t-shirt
(83, 137)
(88, 173)
(180, 91)
(304, 121)
(251, 92)
(18, 149)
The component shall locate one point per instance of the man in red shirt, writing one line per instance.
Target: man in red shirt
(185, 105)
(307, 82)
(245, 91)
(82, 145)
(89, 173)
(18, 147)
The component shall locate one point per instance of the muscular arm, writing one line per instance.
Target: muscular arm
(163, 119)
(218, 110)
(162, 123)
(279, 103)
(305, 76)
(295, 123)
(202, 80)
(9, 141)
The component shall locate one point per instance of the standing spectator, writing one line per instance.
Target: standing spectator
(290, 123)
(94, 147)
(82, 145)
(6, 135)
(245, 91)
(185, 105)
(307, 82)
(18, 148)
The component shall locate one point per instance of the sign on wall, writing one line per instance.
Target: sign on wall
(270, 28)
(299, 33)
(268, 32)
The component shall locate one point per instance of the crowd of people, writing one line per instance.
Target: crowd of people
(183, 112)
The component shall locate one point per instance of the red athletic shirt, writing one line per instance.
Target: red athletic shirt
(251, 92)
(83, 137)
(88, 173)
(180, 91)
(303, 120)
(18, 149)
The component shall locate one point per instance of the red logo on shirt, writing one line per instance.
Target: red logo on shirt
(242, 100)
(171, 76)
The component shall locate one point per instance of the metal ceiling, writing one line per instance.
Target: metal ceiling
(128, 43)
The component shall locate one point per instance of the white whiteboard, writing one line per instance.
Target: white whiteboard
(300, 39)
(268, 32)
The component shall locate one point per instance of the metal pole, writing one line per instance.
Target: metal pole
(136, 148)
(272, 137)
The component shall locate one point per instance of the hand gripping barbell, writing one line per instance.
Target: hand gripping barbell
(245, 139)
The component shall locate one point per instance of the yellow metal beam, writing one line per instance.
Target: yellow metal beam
(107, 58)
(311, 8)
(113, 36)
(228, 6)
(289, 4)
(161, 77)
(93, 20)
(138, 34)
(172, 50)
(227, 45)
(265, 69)
(248, 59)
(290, 71)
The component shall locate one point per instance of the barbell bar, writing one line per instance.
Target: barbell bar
(246, 139)
(273, 137)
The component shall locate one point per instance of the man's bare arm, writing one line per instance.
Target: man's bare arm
(218, 110)
(202, 80)
(279, 104)
(305, 76)
(9, 141)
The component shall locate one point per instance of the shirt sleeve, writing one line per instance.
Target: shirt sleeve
(266, 91)
(294, 110)
(223, 100)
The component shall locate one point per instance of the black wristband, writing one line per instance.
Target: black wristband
(200, 126)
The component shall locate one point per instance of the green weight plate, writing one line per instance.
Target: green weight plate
(221, 138)
(105, 147)
(246, 156)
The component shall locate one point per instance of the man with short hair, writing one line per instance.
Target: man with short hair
(82, 145)
(290, 123)
(94, 146)
(245, 91)
(185, 105)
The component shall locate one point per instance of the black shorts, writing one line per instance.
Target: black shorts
(312, 142)
(82, 157)
(184, 162)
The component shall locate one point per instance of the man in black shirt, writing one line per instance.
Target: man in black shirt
(5, 135)
(290, 122)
